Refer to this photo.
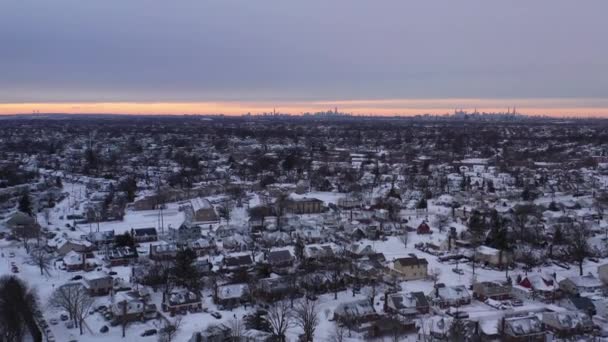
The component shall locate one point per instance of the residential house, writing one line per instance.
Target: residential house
(446, 296)
(538, 285)
(304, 206)
(181, 301)
(166, 251)
(185, 233)
(586, 285)
(131, 307)
(423, 228)
(408, 305)
(66, 246)
(411, 268)
(602, 272)
(492, 289)
(492, 256)
(355, 313)
(202, 246)
(203, 211)
(274, 288)
(232, 296)
(98, 283)
(74, 261)
(280, 258)
(582, 304)
(318, 252)
(523, 329)
(567, 324)
(237, 262)
(120, 256)
(144, 234)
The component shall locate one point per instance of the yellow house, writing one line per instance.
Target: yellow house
(411, 268)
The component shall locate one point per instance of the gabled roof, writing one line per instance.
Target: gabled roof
(280, 256)
(411, 261)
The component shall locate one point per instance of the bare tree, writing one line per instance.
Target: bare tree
(280, 317)
(236, 329)
(307, 317)
(442, 222)
(170, 330)
(84, 303)
(73, 298)
(434, 275)
(339, 334)
(578, 248)
(42, 259)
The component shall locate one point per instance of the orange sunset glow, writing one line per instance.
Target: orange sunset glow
(551, 107)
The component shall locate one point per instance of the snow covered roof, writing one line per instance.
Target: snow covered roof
(232, 291)
(521, 326)
(355, 309)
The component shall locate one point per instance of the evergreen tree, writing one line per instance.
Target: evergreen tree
(25, 204)
(476, 226)
(422, 204)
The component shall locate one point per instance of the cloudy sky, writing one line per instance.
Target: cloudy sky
(209, 56)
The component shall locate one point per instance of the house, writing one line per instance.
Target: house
(120, 256)
(166, 251)
(98, 283)
(492, 256)
(316, 282)
(602, 273)
(304, 206)
(406, 304)
(181, 301)
(80, 246)
(434, 328)
(491, 289)
(232, 295)
(349, 203)
(202, 246)
(203, 211)
(130, 307)
(355, 313)
(523, 329)
(541, 286)
(280, 258)
(144, 234)
(567, 324)
(411, 268)
(74, 261)
(446, 296)
(581, 304)
(275, 288)
(184, 233)
(237, 262)
(101, 238)
(203, 266)
(586, 285)
(423, 228)
(214, 333)
(318, 252)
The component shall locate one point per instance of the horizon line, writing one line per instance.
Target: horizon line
(552, 107)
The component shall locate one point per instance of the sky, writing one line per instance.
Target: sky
(238, 56)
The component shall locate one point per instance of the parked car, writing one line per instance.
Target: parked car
(76, 277)
(517, 302)
(216, 315)
(104, 329)
(64, 317)
(54, 321)
(149, 332)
